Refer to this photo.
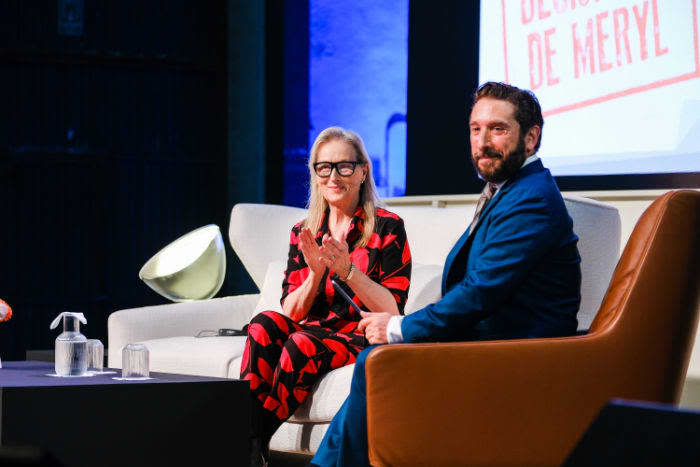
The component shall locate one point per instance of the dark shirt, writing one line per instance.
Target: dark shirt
(386, 259)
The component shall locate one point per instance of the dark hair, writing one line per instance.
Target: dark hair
(528, 112)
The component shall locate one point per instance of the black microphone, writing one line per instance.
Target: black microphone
(347, 298)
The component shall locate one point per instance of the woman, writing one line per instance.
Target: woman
(345, 237)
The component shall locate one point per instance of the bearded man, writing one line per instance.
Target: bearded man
(514, 273)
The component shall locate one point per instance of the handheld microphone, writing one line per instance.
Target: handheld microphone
(347, 298)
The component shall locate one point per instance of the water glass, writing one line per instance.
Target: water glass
(96, 355)
(135, 361)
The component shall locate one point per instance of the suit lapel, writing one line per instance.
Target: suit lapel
(460, 250)
(531, 168)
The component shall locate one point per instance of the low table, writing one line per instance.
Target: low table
(88, 421)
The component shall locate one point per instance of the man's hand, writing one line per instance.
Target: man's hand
(374, 326)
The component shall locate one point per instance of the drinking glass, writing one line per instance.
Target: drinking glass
(135, 361)
(96, 355)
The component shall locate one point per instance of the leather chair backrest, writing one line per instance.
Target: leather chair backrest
(650, 309)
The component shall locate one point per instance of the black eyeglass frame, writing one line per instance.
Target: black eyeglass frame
(334, 166)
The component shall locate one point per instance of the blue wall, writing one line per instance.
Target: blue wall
(358, 59)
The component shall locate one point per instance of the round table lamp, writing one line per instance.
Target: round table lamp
(190, 268)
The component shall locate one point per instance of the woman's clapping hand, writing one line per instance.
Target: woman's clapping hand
(311, 251)
(335, 255)
(331, 254)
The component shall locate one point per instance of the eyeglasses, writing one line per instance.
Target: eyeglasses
(342, 168)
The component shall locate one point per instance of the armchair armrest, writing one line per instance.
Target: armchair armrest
(514, 402)
(176, 319)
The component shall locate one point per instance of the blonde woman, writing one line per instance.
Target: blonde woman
(345, 236)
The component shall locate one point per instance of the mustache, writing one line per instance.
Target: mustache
(490, 152)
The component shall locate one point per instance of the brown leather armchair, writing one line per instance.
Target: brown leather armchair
(527, 401)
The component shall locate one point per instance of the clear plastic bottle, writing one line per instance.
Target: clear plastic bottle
(71, 346)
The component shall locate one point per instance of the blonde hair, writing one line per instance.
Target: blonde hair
(317, 204)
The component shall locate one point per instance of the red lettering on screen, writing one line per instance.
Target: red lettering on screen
(641, 20)
(621, 34)
(592, 34)
(583, 49)
(657, 40)
(602, 37)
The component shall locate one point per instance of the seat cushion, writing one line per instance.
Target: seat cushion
(271, 291)
(325, 397)
(201, 356)
(259, 234)
(433, 231)
(426, 282)
(298, 437)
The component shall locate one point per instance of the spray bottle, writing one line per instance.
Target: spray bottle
(71, 345)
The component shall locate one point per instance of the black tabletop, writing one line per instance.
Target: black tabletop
(36, 374)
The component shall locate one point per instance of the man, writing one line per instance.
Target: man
(514, 273)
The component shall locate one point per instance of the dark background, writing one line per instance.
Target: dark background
(128, 123)
(145, 121)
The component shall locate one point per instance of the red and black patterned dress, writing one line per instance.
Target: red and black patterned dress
(282, 358)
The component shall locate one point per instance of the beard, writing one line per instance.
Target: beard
(503, 166)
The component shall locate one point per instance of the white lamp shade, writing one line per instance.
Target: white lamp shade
(190, 268)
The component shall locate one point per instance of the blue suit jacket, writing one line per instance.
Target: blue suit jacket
(517, 275)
